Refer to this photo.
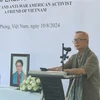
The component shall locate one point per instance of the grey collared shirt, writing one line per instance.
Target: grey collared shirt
(91, 82)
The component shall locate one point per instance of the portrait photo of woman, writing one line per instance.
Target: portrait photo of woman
(19, 68)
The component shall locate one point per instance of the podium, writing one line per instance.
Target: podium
(52, 84)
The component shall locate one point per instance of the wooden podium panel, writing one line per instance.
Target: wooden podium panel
(52, 89)
(52, 84)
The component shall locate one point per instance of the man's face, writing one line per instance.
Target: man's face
(80, 41)
(19, 67)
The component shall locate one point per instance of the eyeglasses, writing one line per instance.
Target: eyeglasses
(78, 40)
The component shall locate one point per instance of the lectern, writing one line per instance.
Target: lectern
(52, 84)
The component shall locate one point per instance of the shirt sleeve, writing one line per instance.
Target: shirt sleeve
(91, 65)
(68, 64)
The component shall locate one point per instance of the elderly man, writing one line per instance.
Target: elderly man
(84, 63)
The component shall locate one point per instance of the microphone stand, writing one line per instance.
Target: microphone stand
(64, 56)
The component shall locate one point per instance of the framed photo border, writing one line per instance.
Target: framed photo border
(11, 66)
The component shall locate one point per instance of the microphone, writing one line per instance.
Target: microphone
(68, 49)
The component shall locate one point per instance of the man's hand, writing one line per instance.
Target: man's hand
(55, 69)
(76, 71)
